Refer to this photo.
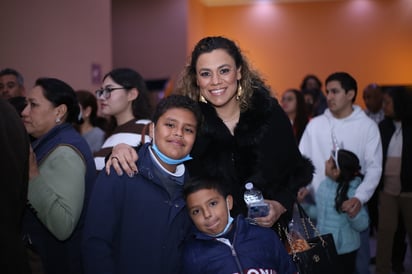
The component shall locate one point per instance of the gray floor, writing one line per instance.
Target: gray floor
(407, 262)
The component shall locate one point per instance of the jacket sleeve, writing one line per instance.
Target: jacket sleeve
(101, 221)
(373, 165)
(57, 194)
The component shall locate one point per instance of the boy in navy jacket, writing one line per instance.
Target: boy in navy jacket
(137, 224)
(221, 244)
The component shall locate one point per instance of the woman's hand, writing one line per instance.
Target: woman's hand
(275, 211)
(123, 158)
(33, 167)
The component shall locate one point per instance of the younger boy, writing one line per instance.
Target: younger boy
(137, 224)
(221, 244)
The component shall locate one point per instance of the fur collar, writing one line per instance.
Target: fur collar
(251, 122)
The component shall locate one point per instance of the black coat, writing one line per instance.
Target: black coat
(14, 170)
(262, 150)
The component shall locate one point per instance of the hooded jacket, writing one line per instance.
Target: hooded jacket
(262, 150)
(357, 133)
(245, 248)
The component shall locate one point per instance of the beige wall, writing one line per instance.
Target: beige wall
(56, 39)
(371, 39)
(150, 36)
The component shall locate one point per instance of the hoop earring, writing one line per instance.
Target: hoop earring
(202, 99)
(239, 91)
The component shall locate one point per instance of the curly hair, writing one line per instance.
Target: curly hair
(250, 78)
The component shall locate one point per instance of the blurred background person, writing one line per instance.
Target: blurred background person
(61, 176)
(311, 86)
(293, 103)
(395, 196)
(14, 169)
(123, 98)
(93, 134)
(372, 97)
(11, 84)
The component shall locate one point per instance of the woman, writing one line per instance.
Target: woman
(123, 98)
(293, 103)
(311, 87)
(93, 135)
(395, 196)
(61, 175)
(246, 136)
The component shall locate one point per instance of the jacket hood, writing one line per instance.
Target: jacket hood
(356, 114)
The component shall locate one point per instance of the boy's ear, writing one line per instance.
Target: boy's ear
(229, 201)
(151, 129)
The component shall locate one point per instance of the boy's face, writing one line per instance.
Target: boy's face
(175, 132)
(209, 210)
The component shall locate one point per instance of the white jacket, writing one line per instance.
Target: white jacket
(357, 133)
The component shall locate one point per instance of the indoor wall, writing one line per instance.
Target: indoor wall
(372, 40)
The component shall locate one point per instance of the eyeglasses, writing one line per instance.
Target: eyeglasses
(106, 92)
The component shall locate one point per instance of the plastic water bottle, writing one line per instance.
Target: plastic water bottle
(255, 202)
(252, 195)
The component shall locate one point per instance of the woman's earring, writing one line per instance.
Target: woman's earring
(58, 120)
(239, 91)
(202, 99)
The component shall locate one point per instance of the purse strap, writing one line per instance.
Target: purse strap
(305, 220)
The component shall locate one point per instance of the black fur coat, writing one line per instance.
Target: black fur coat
(262, 150)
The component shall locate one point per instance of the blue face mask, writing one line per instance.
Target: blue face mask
(229, 223)
(166, 159)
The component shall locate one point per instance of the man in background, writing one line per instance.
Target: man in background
(11, 84)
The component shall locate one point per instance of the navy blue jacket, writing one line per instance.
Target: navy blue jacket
(133, 225)
(253, 248)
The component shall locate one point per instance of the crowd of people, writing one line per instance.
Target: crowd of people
(107, 185)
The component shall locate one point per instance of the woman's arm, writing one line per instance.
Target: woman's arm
(123, 158)
(57, 192)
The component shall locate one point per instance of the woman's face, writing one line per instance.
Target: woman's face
(288, 102)
(119, 100)
(39, 116)
(217, 77)
(387, 105)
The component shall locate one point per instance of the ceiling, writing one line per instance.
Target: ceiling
(211, 3)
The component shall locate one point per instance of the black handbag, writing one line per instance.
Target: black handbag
(321, 257)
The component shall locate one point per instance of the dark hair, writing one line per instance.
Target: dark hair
(177, 101)
(87, 99)
(249, 81)
(303, 85)
(18, 102)
(349, 169)
(301, 118)
(197, 183)
(60, 93)
(9, 71)
(346, 81)
(402, 102)
(129, 78)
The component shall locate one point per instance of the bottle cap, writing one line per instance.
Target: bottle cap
(249, 186)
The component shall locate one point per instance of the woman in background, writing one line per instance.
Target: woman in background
(61, 177)
(123, 98)
(293, 103)
(91, 133)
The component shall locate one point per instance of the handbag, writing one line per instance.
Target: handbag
(321, 256)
